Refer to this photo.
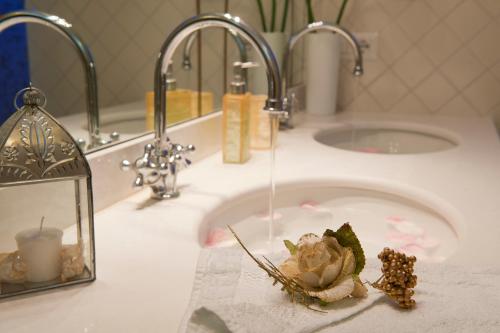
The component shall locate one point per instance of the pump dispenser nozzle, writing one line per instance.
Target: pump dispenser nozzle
(238, 85)
(171, 81)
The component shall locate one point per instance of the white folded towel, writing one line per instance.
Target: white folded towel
(231, 294)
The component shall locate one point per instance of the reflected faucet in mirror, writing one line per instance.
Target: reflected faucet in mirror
(241, 44)
(64, 28)
(159, 165)
(286, 70)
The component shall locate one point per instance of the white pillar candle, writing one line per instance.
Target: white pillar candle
(41, 251)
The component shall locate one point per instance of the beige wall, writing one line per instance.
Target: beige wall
(124, 37)
(434, 56)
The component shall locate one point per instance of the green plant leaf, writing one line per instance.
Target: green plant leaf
(347, 238)
(310, 12)
(285, 16)
(323, 303)
(262, 15)
(290, 246)
(341, 12)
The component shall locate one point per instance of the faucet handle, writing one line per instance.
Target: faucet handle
(114, 136)
(144, 167)
(289, 105)
(126, 166)
(178, 153)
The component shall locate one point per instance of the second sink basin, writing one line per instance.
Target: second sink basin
(384, 140)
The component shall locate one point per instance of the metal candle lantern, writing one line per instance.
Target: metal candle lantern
(43, 175)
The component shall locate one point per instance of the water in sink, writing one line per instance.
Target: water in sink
(379, 219)
(384, 140)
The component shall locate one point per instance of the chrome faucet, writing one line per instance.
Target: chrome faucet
(315, 26)
(188, 46)
(240, 43)
(64, 28)
(159, 165)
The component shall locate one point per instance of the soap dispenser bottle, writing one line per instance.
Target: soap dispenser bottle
(207, 103)
(260, 123)
(178, 102)
(236, 119)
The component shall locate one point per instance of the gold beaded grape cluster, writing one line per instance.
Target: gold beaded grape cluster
(397, 280)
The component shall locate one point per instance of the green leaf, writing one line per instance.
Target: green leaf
(347, 238)
(323, 303)
(290, 246)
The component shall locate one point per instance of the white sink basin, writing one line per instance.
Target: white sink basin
(379, 220)
(381, 140)
(123, 122)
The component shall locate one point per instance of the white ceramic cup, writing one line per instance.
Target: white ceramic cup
(323, 66)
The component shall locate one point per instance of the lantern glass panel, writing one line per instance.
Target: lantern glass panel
(58, 252)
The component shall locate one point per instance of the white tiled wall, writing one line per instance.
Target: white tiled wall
(434, 56)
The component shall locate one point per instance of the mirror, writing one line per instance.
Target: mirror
(124, 38)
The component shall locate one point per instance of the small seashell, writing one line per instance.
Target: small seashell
(12, 268)
(72, 261)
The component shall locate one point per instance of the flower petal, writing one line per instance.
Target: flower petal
(359, 289)
(313, 257)
(333, 246)
(330, 273)
(308, 240)
(309, 279)
(349, 264)
(290, 267)
(338, 292)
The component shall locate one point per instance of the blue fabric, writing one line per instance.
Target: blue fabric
(14, 63)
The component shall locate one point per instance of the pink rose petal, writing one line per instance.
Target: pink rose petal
(427, 242)
(216, 236)
(398, 237)
(309, 204)
(408, 228)
(266, 217)
(411, 250)
(315, 206)
(395, 219)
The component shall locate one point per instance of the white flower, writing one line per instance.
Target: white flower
(324, 268)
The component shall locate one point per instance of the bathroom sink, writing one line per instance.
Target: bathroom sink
(384, 140)
(132, 125)
(123, 122)
(379, 219)
(124, 118)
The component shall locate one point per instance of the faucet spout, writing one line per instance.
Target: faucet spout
(240, 44)
(188, 46)
(319, 26)
(159, 165)
(187, 28)
(64, 28)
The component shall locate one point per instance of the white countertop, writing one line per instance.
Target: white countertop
(147, 250)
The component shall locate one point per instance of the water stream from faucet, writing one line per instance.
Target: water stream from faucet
(274, 119)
